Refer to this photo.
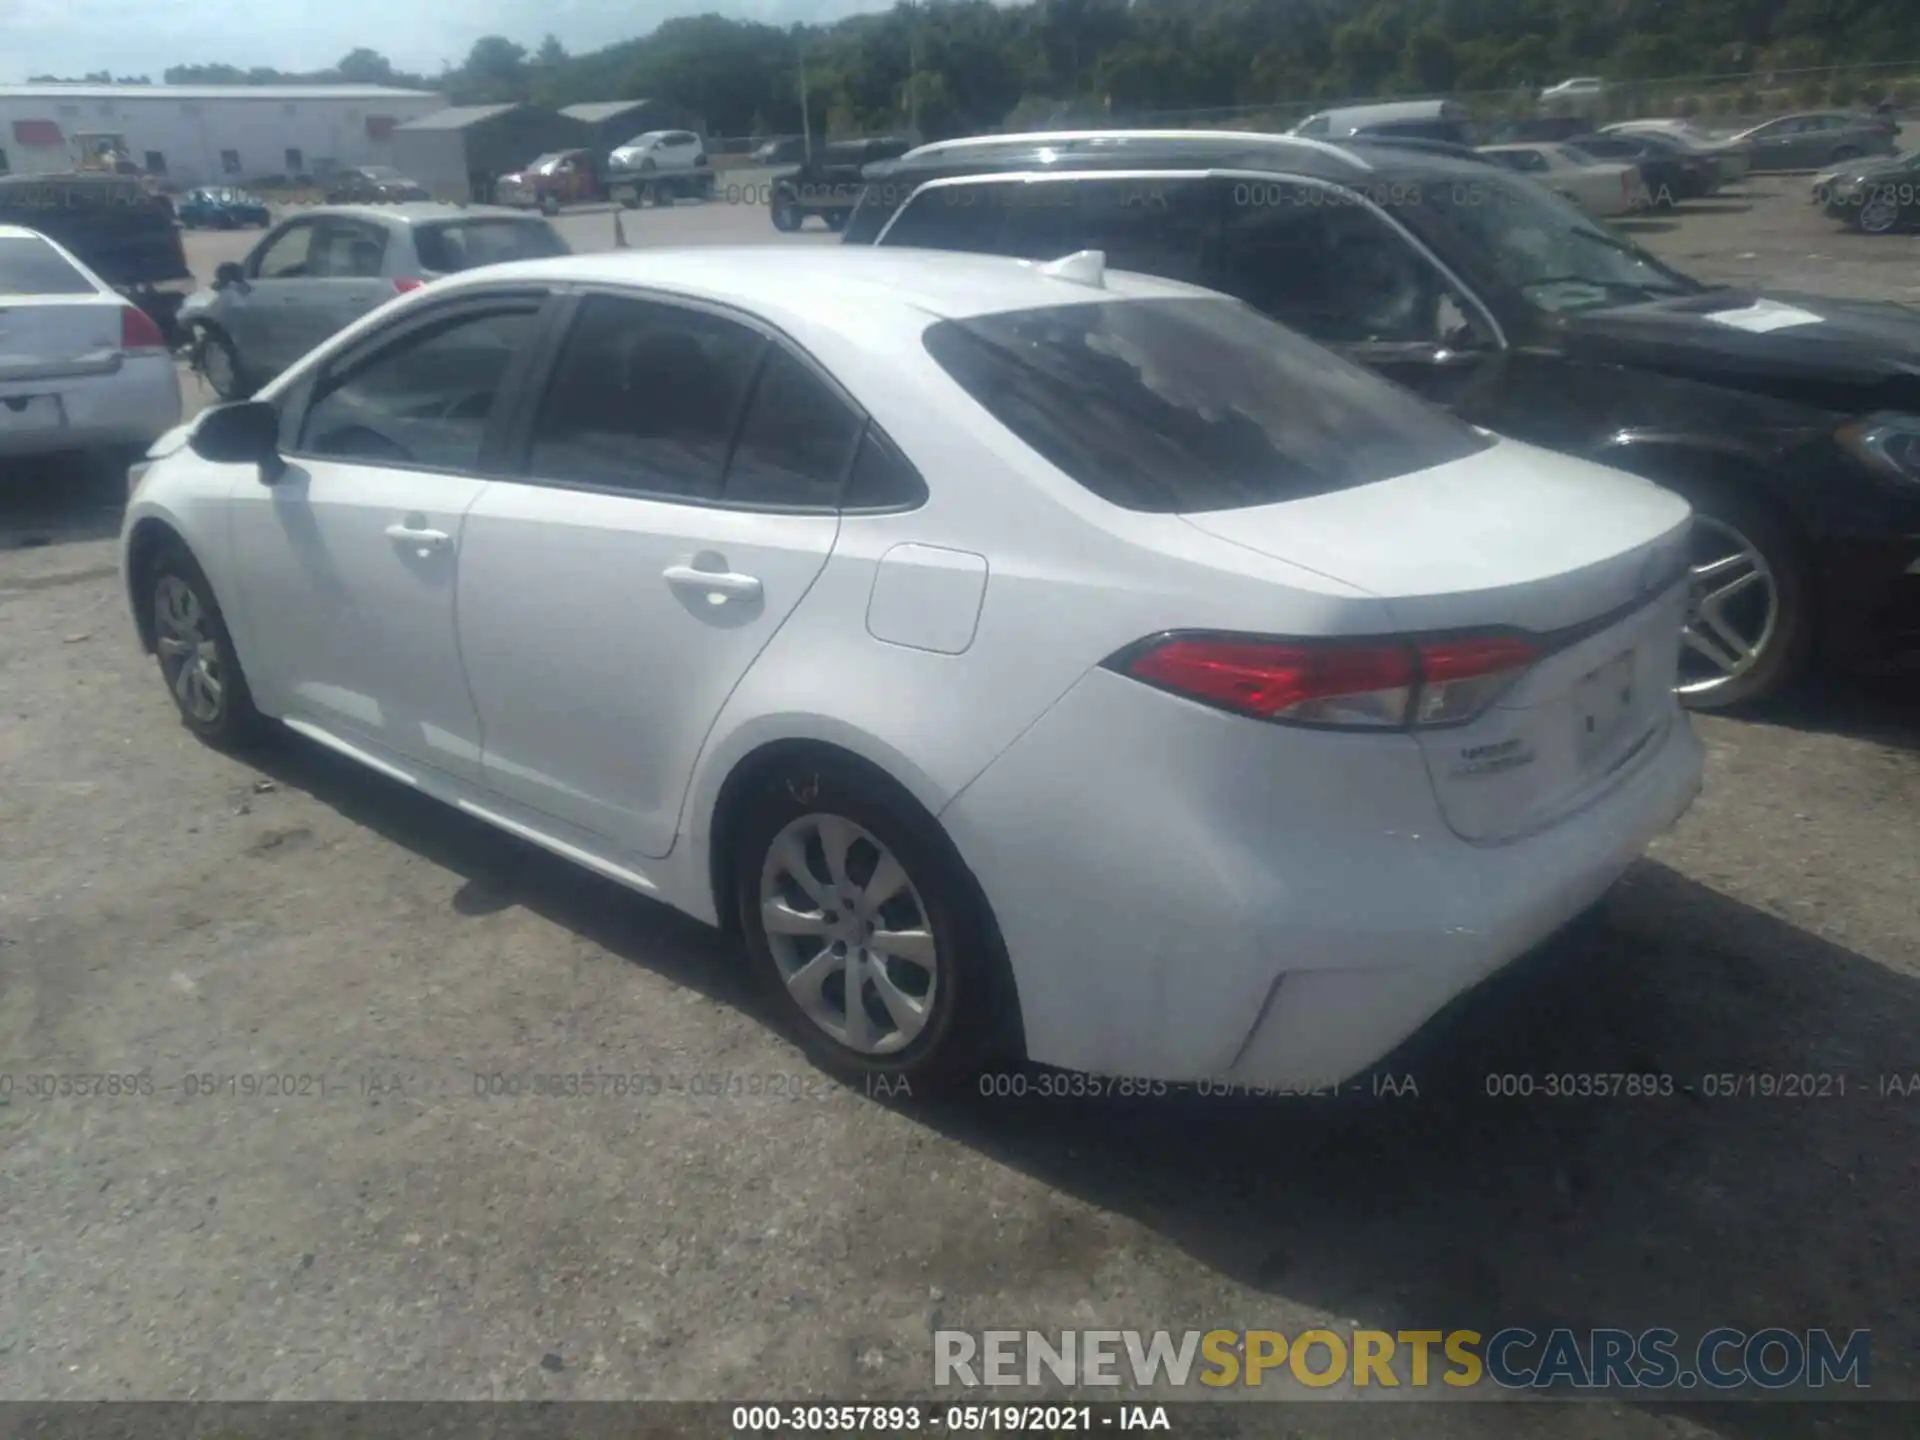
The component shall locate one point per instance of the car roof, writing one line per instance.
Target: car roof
(418, 212)
(820, 283)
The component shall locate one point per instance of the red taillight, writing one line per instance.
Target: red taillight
(138, 331)
(406, 283)
(1386, 684)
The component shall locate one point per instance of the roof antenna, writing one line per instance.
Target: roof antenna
(1083, 267)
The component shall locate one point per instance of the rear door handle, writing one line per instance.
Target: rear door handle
(420, 539)
(718, 585)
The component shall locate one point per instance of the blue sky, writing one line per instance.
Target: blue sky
(144, 37)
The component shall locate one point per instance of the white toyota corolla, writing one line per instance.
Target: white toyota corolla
(1023, 656)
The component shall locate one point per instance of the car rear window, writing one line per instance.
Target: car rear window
(469, 244)
(1183, 405)
(30, 266)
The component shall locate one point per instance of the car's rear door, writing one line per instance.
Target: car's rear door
(614, 592)
(346, 278)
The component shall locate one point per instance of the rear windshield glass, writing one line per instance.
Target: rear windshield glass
(1191, 404)
(469, 244)
(30, 266)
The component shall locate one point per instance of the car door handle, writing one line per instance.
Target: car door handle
(422, 540)
(719, 586)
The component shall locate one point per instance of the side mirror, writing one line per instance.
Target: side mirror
(228, 272)
(246, 432)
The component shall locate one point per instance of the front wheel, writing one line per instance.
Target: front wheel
(1749, 628)
(215, 357)
(1879, 216)
(197, 660)
(866, 928)
(787, 216)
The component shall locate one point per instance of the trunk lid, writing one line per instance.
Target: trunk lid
(48, 336)
(1589, 561)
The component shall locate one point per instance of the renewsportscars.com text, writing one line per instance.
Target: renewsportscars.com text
(1513, 1359)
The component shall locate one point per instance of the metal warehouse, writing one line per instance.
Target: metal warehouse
(199, 134)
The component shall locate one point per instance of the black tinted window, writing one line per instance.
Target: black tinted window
(1317, 260)
(796, 439)
(882, 477)
(1191, 405)
(950, 217)
(644, 397)
(30, 266)
(424, 401)
(1160, 226)
(467, 244)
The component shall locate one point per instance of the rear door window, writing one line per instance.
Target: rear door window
(644, 397)
(468, 244)
(797, 438)
(30, 266)
(1184, 405)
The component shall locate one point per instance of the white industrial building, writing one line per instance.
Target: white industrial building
(205, 134)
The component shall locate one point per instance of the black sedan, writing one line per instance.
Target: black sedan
(374, 185)
(1672, 172)
(1877, 196)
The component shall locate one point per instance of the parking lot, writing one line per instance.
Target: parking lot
(742, 1229)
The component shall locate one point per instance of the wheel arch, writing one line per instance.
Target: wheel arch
(150, 537)
(725, 807)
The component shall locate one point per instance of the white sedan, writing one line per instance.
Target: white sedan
(1602, 188)
(1020, 658)
(80, 368)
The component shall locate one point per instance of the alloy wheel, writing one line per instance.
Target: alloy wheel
(216, 363)
(189, 655)
(1879, 214)
(1733, 608)
(849, 934)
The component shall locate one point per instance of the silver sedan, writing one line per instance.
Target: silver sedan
(80, 368)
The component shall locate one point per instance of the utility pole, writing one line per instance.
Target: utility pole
(913, 74)
(806, 114)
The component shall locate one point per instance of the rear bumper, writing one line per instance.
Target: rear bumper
(133, 406)
(1186, 895)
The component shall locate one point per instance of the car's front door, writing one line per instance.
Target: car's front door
(1777, 146)
(346, 278)
(255, 313)
(347, 562)
(613, 596)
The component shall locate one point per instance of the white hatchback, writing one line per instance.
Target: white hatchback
(1016, 656)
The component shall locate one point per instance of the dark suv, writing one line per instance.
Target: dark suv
(1791, 423)
(828, 182)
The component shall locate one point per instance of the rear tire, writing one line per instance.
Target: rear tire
(787, 215)
(1729, 520)
(196, 656)
(930, 994)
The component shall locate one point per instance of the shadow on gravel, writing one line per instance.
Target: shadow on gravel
(1722, 205)
(57, 501)
(1451, 1207)
(1458, 1209)
(502, 872)
(1883, 710)
(1642, 225)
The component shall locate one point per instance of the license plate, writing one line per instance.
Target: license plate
(24, 414)
(1604, 703)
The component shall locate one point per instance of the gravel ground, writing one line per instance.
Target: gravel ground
(169, 910)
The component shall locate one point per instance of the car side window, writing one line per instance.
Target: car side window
(882, 477)
(952, 217)
(1322, 263)
(425, 400)
(644, 397)
(285, 255)
(796, 440)
(347, 250)
(1161, 226)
